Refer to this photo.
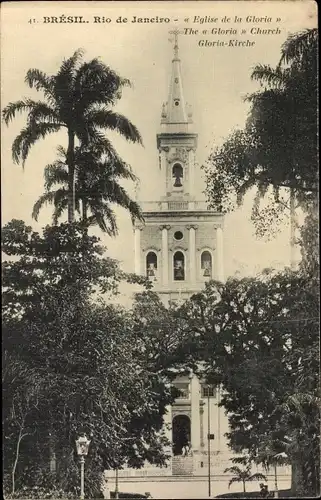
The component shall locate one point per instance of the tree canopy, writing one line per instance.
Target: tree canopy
(97, 187)
(78, 99)
(277, 149)
(259, 340)
(74, 363)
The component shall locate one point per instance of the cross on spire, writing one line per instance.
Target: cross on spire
(175, 32)
(175, 112)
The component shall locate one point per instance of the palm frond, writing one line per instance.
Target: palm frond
(299, 44)
(268, 95)
(91, 154)
(99, 171)
(85, 133)
(40, 81)
(113, 192)
(101, 155)
(64, 83)
(59, 209)
(104, 216)
(240, 460)
(42, 200)
(135, 212)
(96, 83)
(124, 201)
(99, 143)
(68, 65)
(58, 198)
(118, 168)
(55, 173)
(60, 203)
(11, 110)
(107, 119)
(234, 470)
(234, 480)
(108, 215)
(28, 137)
(41, 111)
(257, 476)
(276, 77)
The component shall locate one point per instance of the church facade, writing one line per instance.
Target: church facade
(179, 248)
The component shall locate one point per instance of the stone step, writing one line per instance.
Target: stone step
(182, 466)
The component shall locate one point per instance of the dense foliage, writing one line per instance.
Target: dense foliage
(72, 363)
(79, 100)
(261, 335)
(276, 152)
(259, 338)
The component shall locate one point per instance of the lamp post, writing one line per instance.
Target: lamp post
(82, 445)
(116, 484)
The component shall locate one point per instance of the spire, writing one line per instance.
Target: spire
(175, 32)
(176, 112)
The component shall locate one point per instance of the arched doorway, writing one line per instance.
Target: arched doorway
(181, 428)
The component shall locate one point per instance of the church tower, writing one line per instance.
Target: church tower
(180, 246)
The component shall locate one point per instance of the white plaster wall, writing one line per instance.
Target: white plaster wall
(190, 488)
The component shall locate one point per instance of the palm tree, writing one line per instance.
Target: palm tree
(298, 45)
(243, 475)
(98, 171)
(269, 457)
(77, 99)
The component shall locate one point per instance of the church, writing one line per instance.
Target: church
(179, 248)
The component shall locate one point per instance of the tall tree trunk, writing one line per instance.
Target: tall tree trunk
(71, 176)
(297, 478)
(244, 491)
(275, 479)
(85, 218)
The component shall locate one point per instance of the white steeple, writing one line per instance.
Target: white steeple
(176, 115)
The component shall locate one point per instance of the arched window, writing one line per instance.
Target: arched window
(179, 266)
(178, 174)
(206, 264)
(151, 266)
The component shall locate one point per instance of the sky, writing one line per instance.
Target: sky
(216, 79)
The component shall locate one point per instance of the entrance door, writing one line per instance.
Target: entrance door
(181, 433)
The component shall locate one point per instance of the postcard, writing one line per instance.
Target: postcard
(173, 132)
